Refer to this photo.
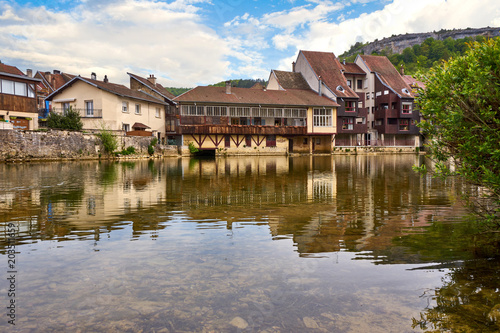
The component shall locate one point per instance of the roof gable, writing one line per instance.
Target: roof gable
(387, 74)
(328, 67)
(291, 80)
(156, 87)
(113, 88)
(10, 70)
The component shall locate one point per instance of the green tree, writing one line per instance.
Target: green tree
(108, 139)
(461, 117)
(70, 120)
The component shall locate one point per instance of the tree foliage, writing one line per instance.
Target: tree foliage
(108, 140)
(461, 116)
(70, 120)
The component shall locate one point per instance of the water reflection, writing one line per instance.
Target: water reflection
(325, 204)
(262, 243)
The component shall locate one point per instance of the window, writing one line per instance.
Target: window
(404, 124)
(367, 96)
(350, 106)
(373, 109)
(322, 117)
(124, 106)
(348, 123)
(271, 141)
(406, 108)
(318, 141)
(379, 122)
(8, 87)
(157, 113)
(21, 89)
(349, 83)
(305, 141)
(31, 90)
(65, 107)
(360, 84)
(248, 141)
(361, 121)
(126, 127)
(89, 108)
(138, 109)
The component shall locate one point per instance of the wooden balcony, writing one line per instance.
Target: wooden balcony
(243, 129)
(396, 129)
(356, 129)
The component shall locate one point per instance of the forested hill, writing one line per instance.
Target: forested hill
(421, 51)
(240, 83)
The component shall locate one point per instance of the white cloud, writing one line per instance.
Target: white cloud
(398, 17)
(139, 36)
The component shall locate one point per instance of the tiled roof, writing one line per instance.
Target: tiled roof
(10, 70)
(326, 65)
(55, 81)
(412, 82)
(292, 97)
(291, 80)
(388, 74)
(352, 68)
(158, 87)
(257, 85)
(116, 89)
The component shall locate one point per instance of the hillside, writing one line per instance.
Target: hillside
(397, 44)
(240, 83)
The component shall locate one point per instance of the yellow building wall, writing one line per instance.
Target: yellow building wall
(113, 117)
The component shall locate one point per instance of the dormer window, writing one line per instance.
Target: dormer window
(339, 88)
(405, 91)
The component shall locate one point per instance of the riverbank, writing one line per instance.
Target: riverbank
(55, 145)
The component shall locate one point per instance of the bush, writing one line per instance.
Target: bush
(69, 121)
(129, 151)
(192, 148)
(108, 140)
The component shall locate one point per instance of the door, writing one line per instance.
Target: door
(290, 145)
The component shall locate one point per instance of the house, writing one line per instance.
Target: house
(393, 118)
(246, 120)
(153, 88)
(343, 84)
(18, 104)
(50, 82)
(114, 106)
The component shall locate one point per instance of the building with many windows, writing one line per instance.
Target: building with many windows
(244, 120)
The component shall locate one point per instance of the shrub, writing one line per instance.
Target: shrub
(69, 121)
(108, 140)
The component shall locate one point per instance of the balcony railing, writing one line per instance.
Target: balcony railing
(243, 129)
(84, 113)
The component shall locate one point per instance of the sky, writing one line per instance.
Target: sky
(186, 43)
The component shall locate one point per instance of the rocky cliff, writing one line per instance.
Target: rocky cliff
(398, 43)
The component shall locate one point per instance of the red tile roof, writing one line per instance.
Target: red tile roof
(326, 65)
(55, 81)
(10, 70)
(116, 89)
(388, 74)
(291, 80)
(158, 87)
(291, 97)
(352, 68)
(412, 82)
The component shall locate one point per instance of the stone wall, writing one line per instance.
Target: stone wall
(53, 145)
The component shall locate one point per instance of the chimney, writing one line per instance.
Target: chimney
(293, 66)
(53, 82)
(93, 76)
(320, 83)
(402, 70)
(105, 79)
(29, 72)
(152, 79)
(55, 71)
(343, 61)
(228, 87)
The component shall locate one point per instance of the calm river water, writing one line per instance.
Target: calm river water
(260, 244)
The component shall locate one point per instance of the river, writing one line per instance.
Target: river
(248, 244)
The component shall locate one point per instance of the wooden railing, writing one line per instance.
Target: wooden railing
(243, 129)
